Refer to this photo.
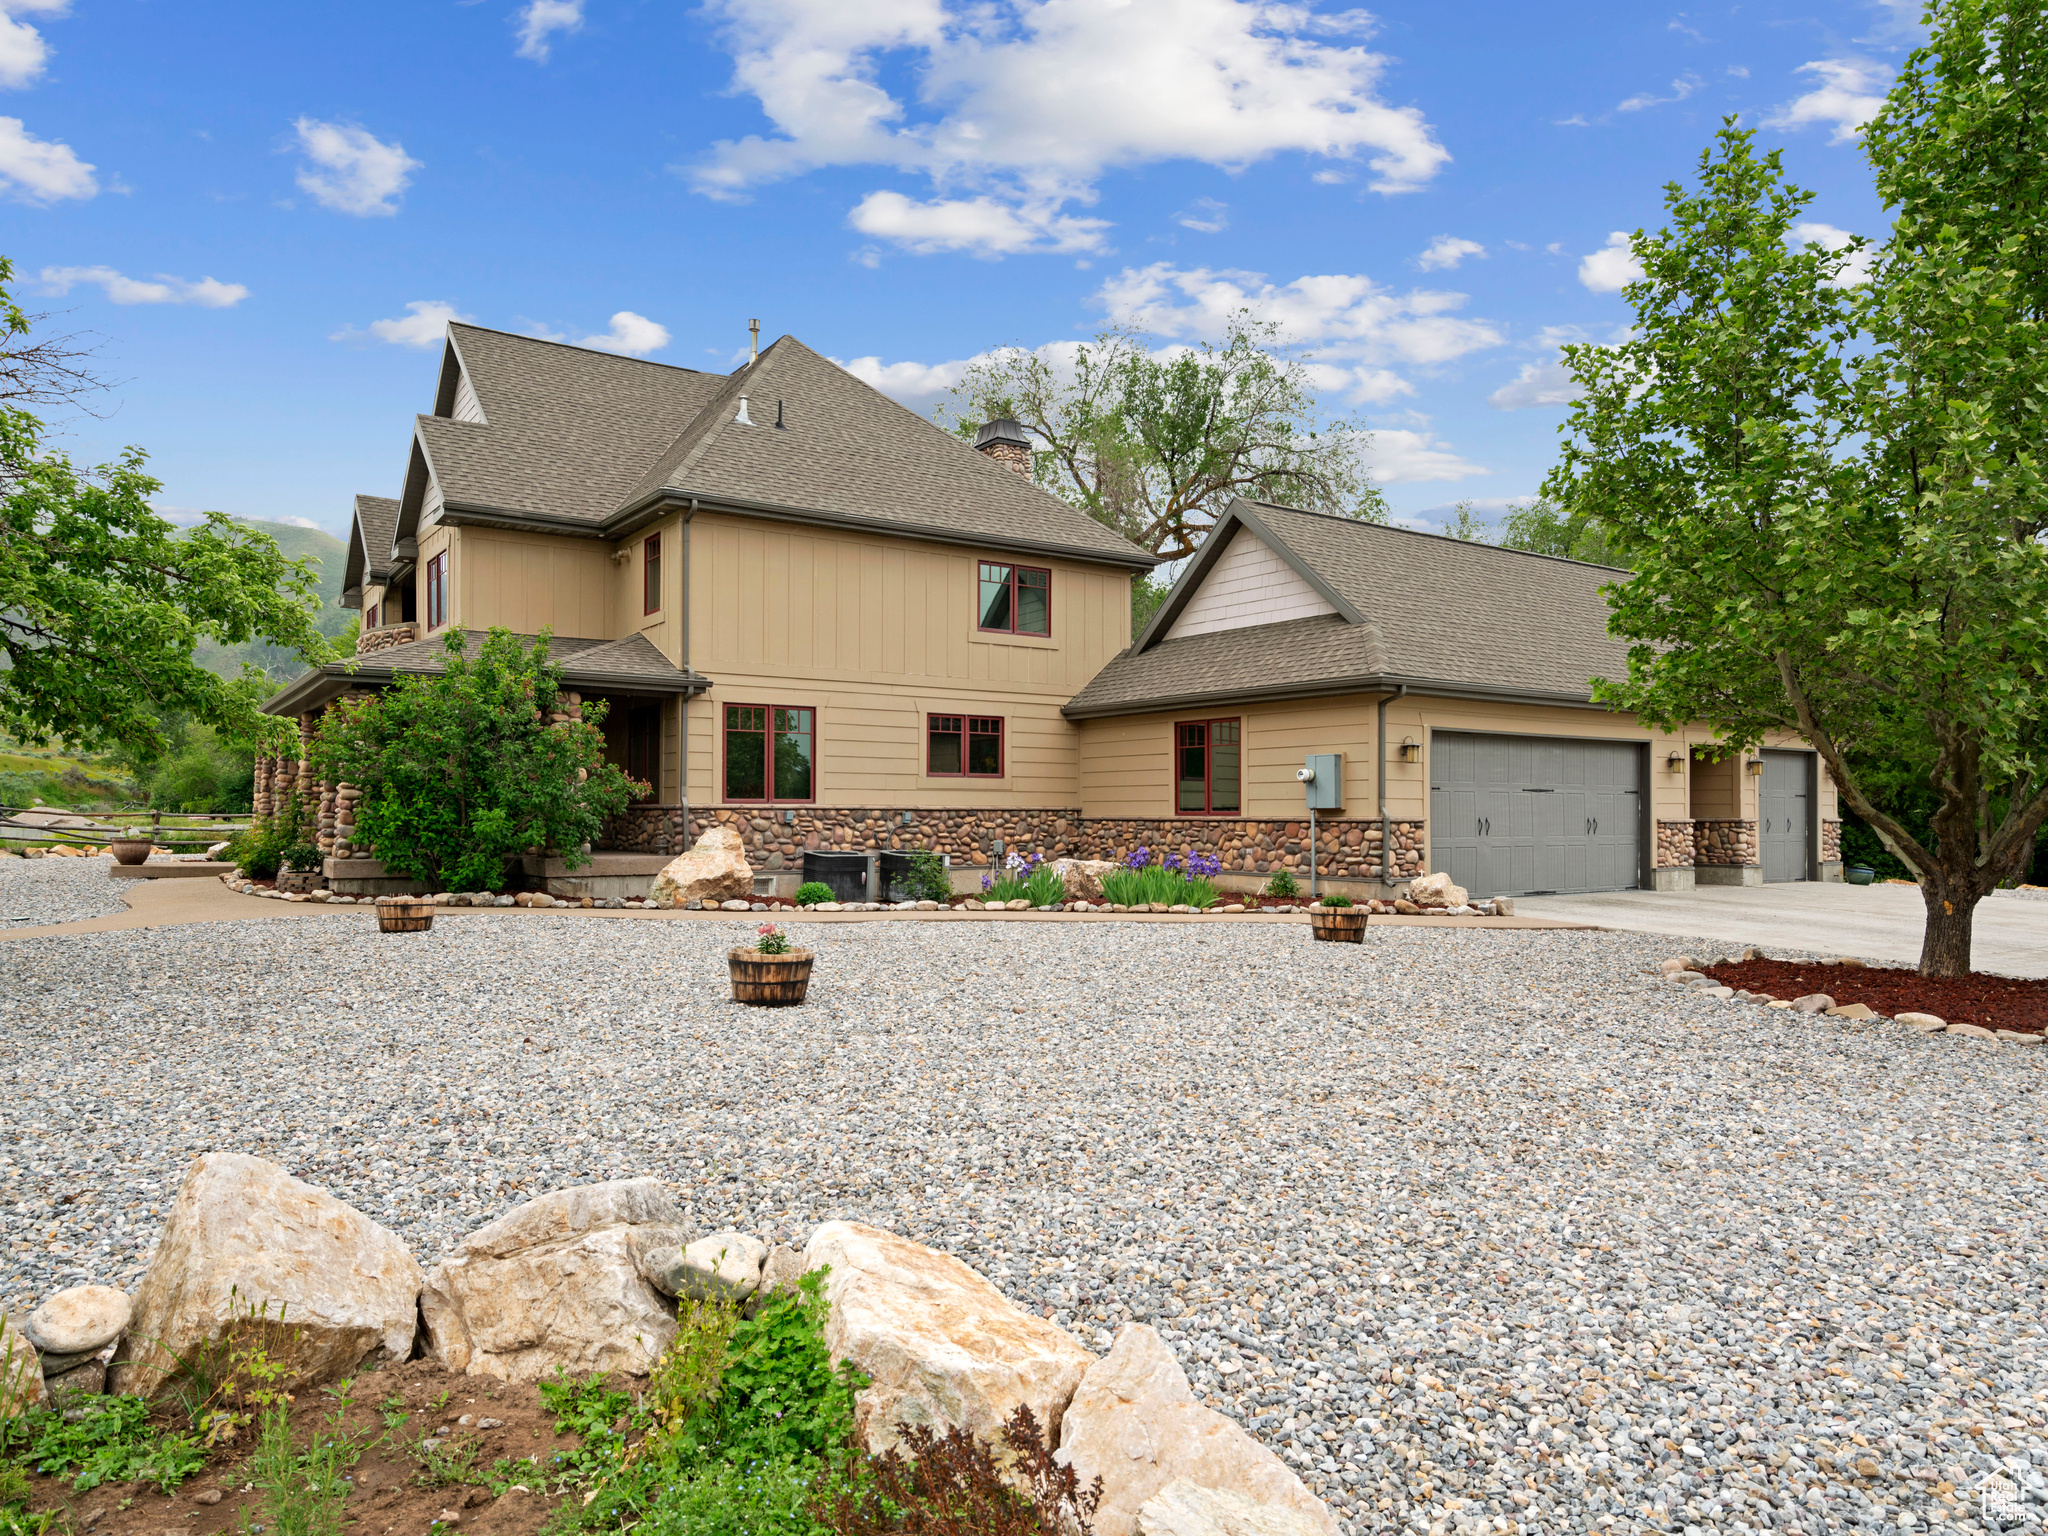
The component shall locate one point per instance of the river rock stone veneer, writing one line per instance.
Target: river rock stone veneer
(1725, 843)
(1674, 844)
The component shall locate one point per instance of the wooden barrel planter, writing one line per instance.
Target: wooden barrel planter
(1337, 925)
(405, 915)
(130, 850)
(770, 981)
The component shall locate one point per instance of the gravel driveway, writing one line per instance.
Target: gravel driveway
(1479, 1229)
(35, 892)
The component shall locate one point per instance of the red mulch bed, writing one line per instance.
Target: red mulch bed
(1993, 1002)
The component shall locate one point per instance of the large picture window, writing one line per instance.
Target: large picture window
(650, 574)
(1016, 599)
(967, 745)
(437, 590)
(769, 752)
(1208, 767)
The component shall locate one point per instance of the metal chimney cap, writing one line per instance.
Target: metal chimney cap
(1001, 430)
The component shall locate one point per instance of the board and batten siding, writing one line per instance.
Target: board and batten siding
(1249, 584)
(875, 633)
(527, 582)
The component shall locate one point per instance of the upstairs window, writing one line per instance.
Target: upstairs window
(1208, 767)
(967, 745)
(370, 618)
(650, 574)
(769, 752)
(1016, 599)
(437, 590)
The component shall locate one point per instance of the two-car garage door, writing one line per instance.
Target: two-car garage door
(1527, 815)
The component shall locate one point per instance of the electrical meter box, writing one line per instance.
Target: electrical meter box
(1326, 789)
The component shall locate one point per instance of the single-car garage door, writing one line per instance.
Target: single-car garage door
(1531, 815)
(1783, 815)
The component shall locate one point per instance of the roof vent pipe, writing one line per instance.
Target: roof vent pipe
(743, 418)
(754, 342)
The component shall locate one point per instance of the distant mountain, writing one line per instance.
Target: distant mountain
(331, 558)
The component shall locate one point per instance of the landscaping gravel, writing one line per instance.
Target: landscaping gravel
(36, 892)
(1481, 1230)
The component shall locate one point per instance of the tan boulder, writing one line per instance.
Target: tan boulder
(1084, 876)
(1428, 891)
(782, 1270)
(715, 869)
(943, 1347)
(243, 1236)
(1135, 1424)
(80, 1321)
(21, 1373)
(725, 1266)
(556, 1283)
(1183, 1508)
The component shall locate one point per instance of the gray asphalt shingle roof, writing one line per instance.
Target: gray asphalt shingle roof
(369, 541)
(610, 666)
(587, 437)
(1433, 610)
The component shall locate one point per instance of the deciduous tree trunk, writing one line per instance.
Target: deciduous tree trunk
(1951, 917)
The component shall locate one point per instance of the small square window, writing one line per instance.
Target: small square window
(1015, 599)
(770, 752)
(963, 745)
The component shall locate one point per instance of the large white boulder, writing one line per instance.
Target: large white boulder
(1182, 1508)
(1435, 891)
(244, 1236)
(725, 1266)
(943, 1347)
(1135, 1424)
(556, 1283)
(715, 869)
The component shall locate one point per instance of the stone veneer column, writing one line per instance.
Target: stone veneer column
(1725, 852)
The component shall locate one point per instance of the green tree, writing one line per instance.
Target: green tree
(462, 769)
(102, 602)
(1155, 444)
(1542, 529)
(1828, 494)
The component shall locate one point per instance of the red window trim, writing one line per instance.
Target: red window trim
(650, 575)
(1209, 769)
(768, 754)
(370, 618)
(437, 590)
(1029, 634)
(1002, 735)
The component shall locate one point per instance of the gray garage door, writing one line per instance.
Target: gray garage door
(1526, 815)
(1782, 818)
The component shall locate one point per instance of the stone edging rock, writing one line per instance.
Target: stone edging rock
(1686, 972)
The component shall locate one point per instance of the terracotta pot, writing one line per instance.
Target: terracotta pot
(1337, 925)
(405, 916)
(770, 981)
(130, 850)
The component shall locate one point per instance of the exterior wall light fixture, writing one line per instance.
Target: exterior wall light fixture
(1676, 762)
(1756, 767)
(1411, 750)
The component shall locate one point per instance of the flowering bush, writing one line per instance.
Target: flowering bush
(773, 941)
(1179, 880)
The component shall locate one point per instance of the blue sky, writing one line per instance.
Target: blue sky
(266, 212)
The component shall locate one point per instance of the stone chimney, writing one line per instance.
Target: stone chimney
(1004, 441)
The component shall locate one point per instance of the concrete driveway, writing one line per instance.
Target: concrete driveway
(1872, 922)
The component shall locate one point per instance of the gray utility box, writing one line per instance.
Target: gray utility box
(1326, 789)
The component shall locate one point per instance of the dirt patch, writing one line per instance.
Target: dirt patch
(1993, 1002)
(395, 1488)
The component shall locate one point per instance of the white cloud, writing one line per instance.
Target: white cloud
(1681, 88)
(207, 293)
(1362, 385)
(37, 170)
(1206, 215)
(1856, 270)
(424, 326)
(540, 20)
(22, 49)
(908, 382)
(1030, 104)
(1849, 94)
(1446, 251)
(634, 335)
(1543, 383)
(1611, 268)
(352, 171)
(1403, 457)
(1343, 317)
(1738, 71)
(979, 226)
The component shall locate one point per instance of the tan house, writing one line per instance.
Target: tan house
(816, 616)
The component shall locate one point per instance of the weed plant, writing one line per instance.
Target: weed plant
(1283, 885)
(930, 880)
(953, 1485)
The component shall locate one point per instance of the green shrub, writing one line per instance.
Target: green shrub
(930, 880)
(1045, 886)
(812, 892)
(304, 858)
(461, 770)
(1283, 884)
(1334, 900)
